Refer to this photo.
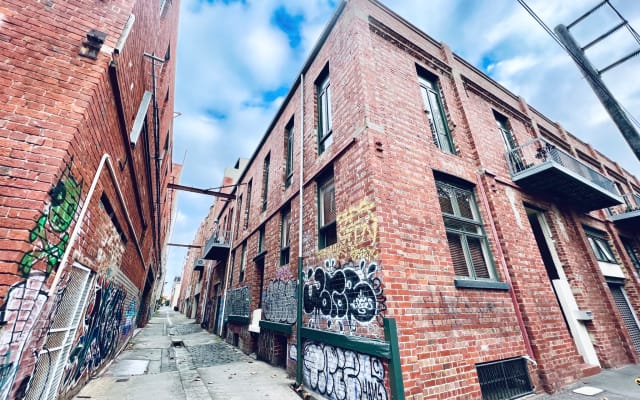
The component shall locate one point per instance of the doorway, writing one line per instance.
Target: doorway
(560, 286)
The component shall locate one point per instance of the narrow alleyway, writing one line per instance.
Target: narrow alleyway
(173, 358)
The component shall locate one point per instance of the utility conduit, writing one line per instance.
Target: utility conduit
(505, 270)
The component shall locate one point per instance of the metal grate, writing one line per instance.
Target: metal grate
(627, 314)
(504, 379)
(52, 360)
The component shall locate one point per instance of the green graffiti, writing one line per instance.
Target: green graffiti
(65, 199)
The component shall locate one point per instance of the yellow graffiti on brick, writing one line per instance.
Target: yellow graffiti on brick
(358, 232)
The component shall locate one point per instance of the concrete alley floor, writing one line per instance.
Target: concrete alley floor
(202, 367)
(205, 367)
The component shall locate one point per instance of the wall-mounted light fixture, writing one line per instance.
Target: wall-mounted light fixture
(91, 47)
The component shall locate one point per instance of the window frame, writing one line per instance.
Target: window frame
(600, 246)
(464, 235)
(632, 252)
(324, 110)
(288, 165)
(434, 106)
(285, 236)
(261, 237)
(247, 208)
(327, 231)
(243, 262)
(265, 180)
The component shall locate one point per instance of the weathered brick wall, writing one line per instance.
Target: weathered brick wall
(391, 234)
(59, 116)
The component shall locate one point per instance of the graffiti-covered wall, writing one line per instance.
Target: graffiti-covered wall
(109, 320)
(26, 307)
(280, 301)
(344, 298)
(341, 374)
(238, 302)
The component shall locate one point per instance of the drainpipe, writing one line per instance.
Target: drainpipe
(505, 271)
(300, 228)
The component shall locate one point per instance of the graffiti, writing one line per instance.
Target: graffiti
(238, 302)
(341, 374)
(358, 232)
(280, 301)
(130, 317)
(283, 273)
(20, 317)
(50, 233)
(105, 321)
(343, 295)
(293, 352)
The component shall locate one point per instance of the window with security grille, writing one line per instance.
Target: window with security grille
(326, 213)
(504, 379)
(600, 246)
(265, 181)
(247, 207)
(434, 108)
(466, 238)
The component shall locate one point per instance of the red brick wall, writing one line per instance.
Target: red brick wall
(59, 116)
(388, 214)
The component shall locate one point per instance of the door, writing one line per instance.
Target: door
(626, 312)
(561, 287)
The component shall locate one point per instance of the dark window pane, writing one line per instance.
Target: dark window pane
(444, 197)
(477, 257)
(464, 204)
(457, 255)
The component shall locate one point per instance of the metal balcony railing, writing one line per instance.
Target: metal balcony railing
(631, 203)
(217, 245)
(538, 152)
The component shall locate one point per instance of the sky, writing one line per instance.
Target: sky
(237, 59)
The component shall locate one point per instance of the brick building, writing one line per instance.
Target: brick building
(86, 111)
(409, 227)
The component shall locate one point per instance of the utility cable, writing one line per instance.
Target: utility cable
(557, 40)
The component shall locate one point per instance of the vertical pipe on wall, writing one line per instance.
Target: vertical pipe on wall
(300, 228)
(505, 270)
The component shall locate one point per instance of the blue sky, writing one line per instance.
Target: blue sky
(238, 58)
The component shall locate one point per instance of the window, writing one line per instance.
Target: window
(265, 181)
(513, 155)
(233, 264)
(288, 169)
(434, 108)
(632, 252)
(243, 261)
(326, 212)
(505, 131)
(285, 238)
(261, 240)
(247, 207)
(239, 215)
(504, 379)
(600, 246)
(108, 209)
(467, 242)
(325, 127)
